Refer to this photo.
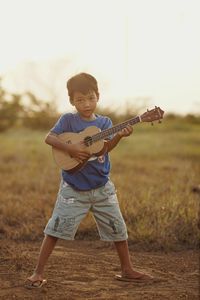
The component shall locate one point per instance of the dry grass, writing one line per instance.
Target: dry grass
(154, 171)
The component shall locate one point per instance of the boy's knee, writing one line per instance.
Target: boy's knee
(51, 237)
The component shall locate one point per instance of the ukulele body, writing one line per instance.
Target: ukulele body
(68, 163)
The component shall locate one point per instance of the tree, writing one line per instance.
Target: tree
(10, 108)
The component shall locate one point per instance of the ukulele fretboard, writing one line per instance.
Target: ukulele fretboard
(107, 132)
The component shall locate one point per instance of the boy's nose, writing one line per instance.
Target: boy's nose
(87, 103)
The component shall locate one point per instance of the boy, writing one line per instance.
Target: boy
(88, 188)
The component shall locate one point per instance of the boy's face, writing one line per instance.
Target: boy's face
(85, 103)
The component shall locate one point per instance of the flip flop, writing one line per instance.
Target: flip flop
(142, 278)
(36, 284)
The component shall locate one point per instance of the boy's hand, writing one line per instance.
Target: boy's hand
(126, 131)
(78, 152)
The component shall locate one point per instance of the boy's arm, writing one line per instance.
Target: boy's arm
(110, 144)
(73, 150)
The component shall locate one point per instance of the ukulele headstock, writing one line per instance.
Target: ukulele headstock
(152, 115)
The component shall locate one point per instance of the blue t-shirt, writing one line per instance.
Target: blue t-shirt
(95, 172)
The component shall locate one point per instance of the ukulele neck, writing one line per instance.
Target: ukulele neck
(107, 132)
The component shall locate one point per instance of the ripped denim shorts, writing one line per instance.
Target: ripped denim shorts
(72, 206)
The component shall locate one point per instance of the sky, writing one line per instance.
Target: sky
(139, 50)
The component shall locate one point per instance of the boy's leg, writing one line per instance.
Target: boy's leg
(112, 227)
(47, 247)
(126, 266)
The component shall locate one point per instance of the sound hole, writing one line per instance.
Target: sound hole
(88, 141)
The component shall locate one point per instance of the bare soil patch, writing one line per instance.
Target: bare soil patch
(85, 270)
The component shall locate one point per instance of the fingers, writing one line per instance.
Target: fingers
(126, 131)
(84, 153)
(81, 156)
(129, 128)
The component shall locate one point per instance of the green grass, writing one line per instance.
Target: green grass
(154, 171)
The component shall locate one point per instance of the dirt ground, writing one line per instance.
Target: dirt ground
(85, 270)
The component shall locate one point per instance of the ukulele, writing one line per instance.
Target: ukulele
(93, 138)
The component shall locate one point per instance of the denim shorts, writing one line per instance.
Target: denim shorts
(72, 206)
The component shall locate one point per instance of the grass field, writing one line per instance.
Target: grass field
(154, 171)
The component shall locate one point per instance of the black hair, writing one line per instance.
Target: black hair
(82, 83)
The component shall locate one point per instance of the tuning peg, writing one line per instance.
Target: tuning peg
(151, 123)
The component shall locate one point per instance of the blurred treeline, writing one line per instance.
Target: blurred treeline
(26, 110)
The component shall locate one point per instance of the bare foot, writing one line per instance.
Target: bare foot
(35, 281)
(136, 275)
(35, 277)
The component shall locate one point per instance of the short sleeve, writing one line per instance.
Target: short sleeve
(62, 125)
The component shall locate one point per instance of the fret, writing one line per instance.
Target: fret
(105, 133)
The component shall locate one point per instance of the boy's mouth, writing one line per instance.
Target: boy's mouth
(87, 111)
